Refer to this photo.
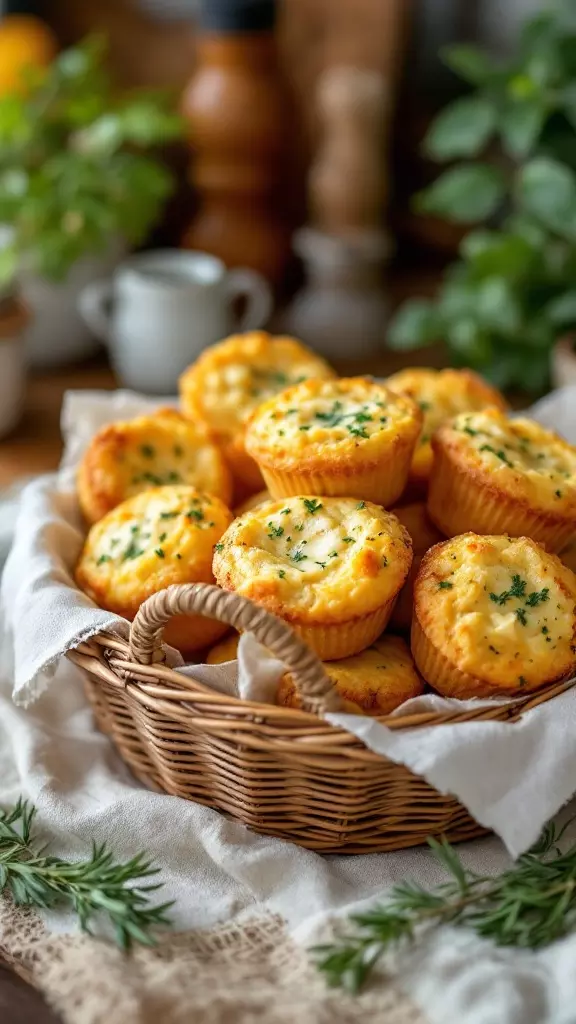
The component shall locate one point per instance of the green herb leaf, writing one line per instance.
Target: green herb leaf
(469, 62)
(462, 129)
(530, 905)
(546, 189)
(312, 505)
(415, 324)
(445, 585)
(537, 597)
(97, 885)
(467, 193)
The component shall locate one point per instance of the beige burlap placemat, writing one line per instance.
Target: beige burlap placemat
(229, 975)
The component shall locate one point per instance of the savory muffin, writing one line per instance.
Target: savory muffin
(162, 536)
(349, 437)
(230, 379)
(441, 394)
(424, 534)
(331, 567)
(492, 474)
(131, 456)
(226, 650)
(493, 616)
(374, 682)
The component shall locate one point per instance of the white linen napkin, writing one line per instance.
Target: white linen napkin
(511, 777)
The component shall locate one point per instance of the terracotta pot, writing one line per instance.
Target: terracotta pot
(563, 363)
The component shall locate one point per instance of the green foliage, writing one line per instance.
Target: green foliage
(529, 906)
(95, 887)
(502, 305)
(73, 172)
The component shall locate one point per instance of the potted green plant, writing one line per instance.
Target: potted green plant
(77, 186)
(502, 307)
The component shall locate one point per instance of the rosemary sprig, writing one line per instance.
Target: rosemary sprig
(530, 905)
(93, 887)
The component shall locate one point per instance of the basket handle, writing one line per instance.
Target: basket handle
(313, 685)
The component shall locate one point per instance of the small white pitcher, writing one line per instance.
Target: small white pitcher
(160, 309)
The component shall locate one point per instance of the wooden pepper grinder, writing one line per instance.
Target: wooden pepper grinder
(343, 308)
(236, 110)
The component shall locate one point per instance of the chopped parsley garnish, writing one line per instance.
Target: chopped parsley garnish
(299, 527)
(521, 616)
(102, 559)
(470, 431)
(159, 552)
(537, 597)
(194, 513)
(385, 562)
(333, 554)
(178, 451)
(132, 551)
(162, 537)
(147, 451)
(285, 512)
(425, 406)
(357, 431)
(361, 504)
(558, 494)
(173, 477)
(282, 573)
(275, 531)
(333, 417)
(321, 564)
(312, 505)
(348, 540)
(522, 681)
(168, 515)
(218, 547)
(178, 556)
(304, 426)
(499, 454)
(516, 590)
(445, 585)
(298, 556)
(545, 630)
(493, 649)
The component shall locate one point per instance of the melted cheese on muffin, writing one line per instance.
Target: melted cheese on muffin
(374, 682)
(518, 455)
(229, 380)
(441, 394)
(325, 558)
(330, 419)
(163, 536)
(125, 458)
(501, 609)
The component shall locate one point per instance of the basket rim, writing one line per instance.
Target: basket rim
(107, 655)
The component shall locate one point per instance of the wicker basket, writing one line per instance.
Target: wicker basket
(282, 772)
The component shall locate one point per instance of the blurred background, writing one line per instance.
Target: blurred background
(392, 181)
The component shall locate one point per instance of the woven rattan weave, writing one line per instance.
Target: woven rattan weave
(282, 772)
